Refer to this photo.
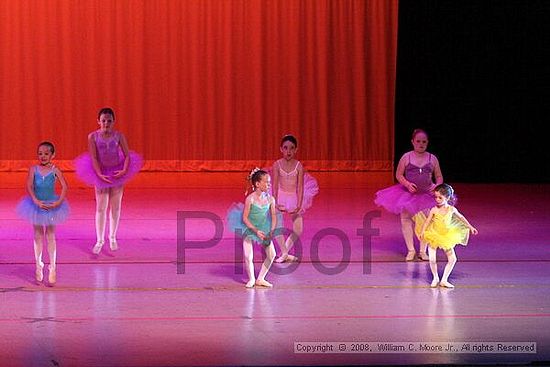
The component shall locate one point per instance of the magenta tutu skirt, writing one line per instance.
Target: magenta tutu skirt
(28, 210)
(397, 199)
(85, 171)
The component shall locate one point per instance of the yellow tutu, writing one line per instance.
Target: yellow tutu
(444, 232)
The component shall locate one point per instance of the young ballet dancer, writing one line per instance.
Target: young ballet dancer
(107, 165)
(44, 208)
(256, 220)
(443, 228)
(416, 172)
(293, 191)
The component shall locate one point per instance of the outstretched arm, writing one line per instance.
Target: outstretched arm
(465, 221)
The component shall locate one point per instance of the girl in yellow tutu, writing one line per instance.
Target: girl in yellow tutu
(443, 228)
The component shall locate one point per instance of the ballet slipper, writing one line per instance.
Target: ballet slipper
(435, 283)
(52, 276)
(282, 258)
(291, 259)
(410, 256)
(446, 284)
(263, 283)
(39, 273)
(97, 247)
(250, 283)
(423, 256)
(113, 245)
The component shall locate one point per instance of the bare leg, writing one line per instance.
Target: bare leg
(52, 252)
(248, 253)
(269, 256)
(102, 200)
(407, 230)
(451, 261)
(433, 266)
(38, 247)
(115, 200)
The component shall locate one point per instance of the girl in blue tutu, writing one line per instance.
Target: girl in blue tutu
(44, 208)
(256, 221)
(418, 173)
(107, 166)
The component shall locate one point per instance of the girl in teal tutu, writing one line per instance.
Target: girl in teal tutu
(44, 208)
(256, 221)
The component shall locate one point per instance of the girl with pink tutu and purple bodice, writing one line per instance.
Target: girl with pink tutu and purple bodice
(293, 190)
(107, 166)
(416, 172)
(44, 208)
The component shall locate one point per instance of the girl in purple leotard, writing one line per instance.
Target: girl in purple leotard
(108, 165)
(416, 172)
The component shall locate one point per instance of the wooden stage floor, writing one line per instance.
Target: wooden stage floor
(134, 308)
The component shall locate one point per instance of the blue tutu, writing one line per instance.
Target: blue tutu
(28, 210)
(44, 190)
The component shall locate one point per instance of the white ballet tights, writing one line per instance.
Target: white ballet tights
(248, 253)
(451, 261)
(39, 244)
(112, 197)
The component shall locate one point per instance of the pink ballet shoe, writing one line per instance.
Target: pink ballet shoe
(263, 283)
(97, 247)
(446, 284)
(281, 259)
(410, 256)
(435, 283)
(52, 276)
(39, 273)
(423, 256)
(113, 245)
(250, 283)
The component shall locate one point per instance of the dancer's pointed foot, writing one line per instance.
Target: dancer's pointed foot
(39, 273)
(291, 259)
(282, 258)
(113, 244)
(263, 283)
(52, 276)
(97, 247)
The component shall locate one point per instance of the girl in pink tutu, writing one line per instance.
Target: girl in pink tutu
(107, 166)
(293, 190)
(44, 208)
(416, 172)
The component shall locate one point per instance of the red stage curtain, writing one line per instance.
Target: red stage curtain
(202, 84)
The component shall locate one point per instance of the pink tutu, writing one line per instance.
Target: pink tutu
(397, 199)
(290, 199)
(85, 170)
